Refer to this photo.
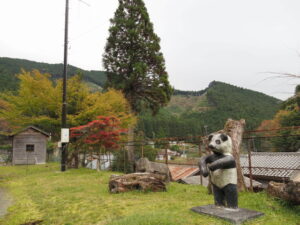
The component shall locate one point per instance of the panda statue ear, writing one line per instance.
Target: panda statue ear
(210, 137)
(224, 137)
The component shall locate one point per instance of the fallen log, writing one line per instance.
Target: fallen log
(137, 181)
(289, 192)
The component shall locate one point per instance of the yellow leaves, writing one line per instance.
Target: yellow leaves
(4, 104)
(269, 125)
(38, 102)
(37, 95)
(281, 114)
(110, 103)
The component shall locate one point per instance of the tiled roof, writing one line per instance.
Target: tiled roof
(272, 164)
(179, 172)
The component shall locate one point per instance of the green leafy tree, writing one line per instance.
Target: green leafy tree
(132, 58)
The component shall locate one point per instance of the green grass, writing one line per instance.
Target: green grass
(81, 197)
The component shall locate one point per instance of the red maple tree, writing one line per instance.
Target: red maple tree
(105, 132)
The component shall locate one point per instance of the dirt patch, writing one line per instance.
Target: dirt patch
(5, 202)
(33, 223)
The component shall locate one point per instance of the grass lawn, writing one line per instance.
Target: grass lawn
(81, 197)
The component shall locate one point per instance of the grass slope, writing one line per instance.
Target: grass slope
(182, 103)
(81, 197)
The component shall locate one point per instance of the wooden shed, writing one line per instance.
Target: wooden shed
(29, 146)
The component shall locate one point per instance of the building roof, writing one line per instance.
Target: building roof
(282, 165)
(31, 127)
(179, 172)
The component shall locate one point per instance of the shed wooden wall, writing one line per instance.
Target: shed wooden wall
(29, 137)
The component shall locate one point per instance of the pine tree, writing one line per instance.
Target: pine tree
(132, 58)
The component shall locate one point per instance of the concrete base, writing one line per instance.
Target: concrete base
(235, 216)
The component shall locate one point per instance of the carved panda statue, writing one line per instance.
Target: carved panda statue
(221, 167)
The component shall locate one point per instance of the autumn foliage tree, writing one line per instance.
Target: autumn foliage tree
(38, 102)
(102, 134)
(287, 117)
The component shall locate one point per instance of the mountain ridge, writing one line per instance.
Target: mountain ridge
(13, 66)
(193, 115)
(9, 67)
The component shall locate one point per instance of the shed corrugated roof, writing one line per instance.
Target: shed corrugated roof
(272, 164)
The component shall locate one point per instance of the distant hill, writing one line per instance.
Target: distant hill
(186, 114)
(9, 67)
(189, 112)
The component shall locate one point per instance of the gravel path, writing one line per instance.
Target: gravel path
(5, 202)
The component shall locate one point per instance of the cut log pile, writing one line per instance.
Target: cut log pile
(137, 181)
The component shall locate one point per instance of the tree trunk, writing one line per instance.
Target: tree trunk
(72, 160)
(235, 129)
(136, 181)
(289, 192)
(207, 151)
(130, 149)
(99, 160)
(83, 160)
(76, 158)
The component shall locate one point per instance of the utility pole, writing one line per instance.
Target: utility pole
(64, 143)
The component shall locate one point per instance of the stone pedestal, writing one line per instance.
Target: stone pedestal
(235, 216)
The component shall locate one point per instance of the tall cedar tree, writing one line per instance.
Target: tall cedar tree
(132, 58)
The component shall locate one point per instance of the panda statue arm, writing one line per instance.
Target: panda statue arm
(226, 162)
(203, 164)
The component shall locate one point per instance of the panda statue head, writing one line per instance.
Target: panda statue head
(220, 143)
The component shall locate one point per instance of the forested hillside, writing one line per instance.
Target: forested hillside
(188, 114)
(10, 67)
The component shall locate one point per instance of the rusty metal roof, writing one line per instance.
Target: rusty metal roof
(272, 164)
(180, 172)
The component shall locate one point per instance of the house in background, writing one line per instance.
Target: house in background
(29, 146)
(161, 155)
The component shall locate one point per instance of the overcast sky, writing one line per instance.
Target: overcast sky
(234, 41)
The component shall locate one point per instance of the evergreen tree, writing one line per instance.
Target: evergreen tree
(132, 58)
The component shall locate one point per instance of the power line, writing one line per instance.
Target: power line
(84, 2)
